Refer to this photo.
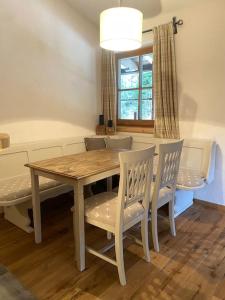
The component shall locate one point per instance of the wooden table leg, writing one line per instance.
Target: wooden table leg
(78, 221)
(36, 206)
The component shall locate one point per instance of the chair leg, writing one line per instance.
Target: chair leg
(144, 237)
(171, 218)
(154, 224)
(119, 258)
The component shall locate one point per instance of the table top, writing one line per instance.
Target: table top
(79, 165)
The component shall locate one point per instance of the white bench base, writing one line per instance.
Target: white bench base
(18, 214)
(183, 200)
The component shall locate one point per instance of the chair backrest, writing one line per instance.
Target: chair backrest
(136, 171)
(119, 143)
(168, 165)
(94, 143)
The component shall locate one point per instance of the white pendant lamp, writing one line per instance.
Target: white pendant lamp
(121, 29)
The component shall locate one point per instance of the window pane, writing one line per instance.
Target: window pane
(147, 70)
(146, 105)
(146, 110)
(146, 94)
(128, 105)
(129, 72)
(135, 83)
(129, 95)
(129, 110)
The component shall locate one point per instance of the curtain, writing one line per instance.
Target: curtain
(108, 86)
(165, 83)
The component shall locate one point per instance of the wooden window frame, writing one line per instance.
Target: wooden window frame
(133, 123)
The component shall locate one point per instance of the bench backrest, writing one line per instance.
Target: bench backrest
(13, 159)
(200, 155)
(197, 154)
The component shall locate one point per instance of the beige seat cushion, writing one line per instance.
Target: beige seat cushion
(191, 179)
(20, 186)
(164, 194)
(102, 208)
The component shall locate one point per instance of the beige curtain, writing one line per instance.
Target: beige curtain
(165, 83)
(108, 86)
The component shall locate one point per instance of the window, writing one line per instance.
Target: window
(134, 93)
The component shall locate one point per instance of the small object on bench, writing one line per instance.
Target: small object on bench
(100, 130)
(4, 140)
(110, 130)
(101, 120)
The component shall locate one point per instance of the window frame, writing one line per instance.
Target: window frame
(134, 123)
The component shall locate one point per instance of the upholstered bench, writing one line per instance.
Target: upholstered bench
(15, 189)
(197, 167)
(15, 197)
(15, 182)
(197, 170)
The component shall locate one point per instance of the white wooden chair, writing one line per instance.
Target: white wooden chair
(116, 213)
(164, 188)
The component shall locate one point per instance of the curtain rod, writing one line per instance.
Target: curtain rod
(175, 24)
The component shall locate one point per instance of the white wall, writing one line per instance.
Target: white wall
(200, 50)
(48, 71)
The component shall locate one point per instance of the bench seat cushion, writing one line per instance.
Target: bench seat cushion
(20, 186)
(190, 179)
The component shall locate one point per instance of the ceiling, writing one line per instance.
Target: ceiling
(91, 9)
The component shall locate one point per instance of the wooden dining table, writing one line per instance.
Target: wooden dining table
(76, 170)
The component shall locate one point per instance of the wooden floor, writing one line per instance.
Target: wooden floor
(190, 266)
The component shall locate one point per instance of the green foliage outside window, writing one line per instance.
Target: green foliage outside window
(129, 99)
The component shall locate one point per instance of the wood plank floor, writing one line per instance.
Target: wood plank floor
(190, 266)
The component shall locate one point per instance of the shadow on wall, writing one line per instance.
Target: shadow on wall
(215, 192)
(155, 8)
(188, 111)
(48, 58)
(71, 19)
